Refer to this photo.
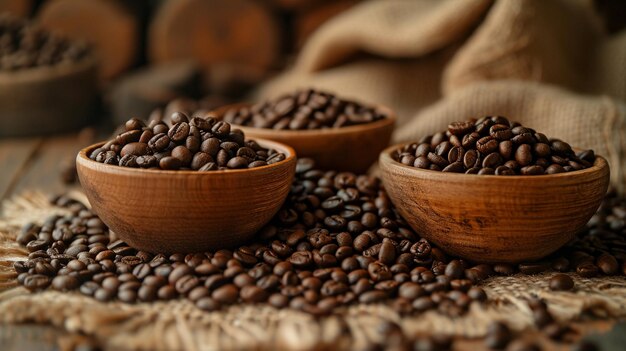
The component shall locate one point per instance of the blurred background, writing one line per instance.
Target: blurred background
(556, 65)
(150, 52)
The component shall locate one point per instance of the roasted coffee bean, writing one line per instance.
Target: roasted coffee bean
(607, 264)
(489, 147)
(561, 282)
(227, 294)
(587, 270)
(35, 282)
(183, 146)
(498, 336)
(309, 109)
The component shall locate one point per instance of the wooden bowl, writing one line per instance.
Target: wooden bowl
(186, 211)
(353, 148)
(490, 218)
(45, 100)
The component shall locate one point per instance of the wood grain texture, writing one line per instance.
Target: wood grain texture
(44, 169)
(15, 155)
(353, 148)
(106, 24)
(240, 32)
(47, 100)
(495, 218)
(186, 211)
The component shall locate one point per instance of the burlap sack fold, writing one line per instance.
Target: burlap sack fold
(419, 51)
(549, 41)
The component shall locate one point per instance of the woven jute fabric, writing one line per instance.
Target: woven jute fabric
(546, 64)
(179, 325)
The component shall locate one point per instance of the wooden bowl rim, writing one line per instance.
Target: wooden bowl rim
(358, 128)
(48, 72)
(385, 159)
(83, 160)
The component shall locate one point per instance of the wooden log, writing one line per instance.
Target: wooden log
(19, 8)
(308, 21)
(106, 24)
(240, 32)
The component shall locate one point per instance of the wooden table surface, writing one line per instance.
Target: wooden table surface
(36, 163)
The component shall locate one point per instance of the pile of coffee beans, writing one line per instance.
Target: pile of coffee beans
(336, 241)
(493, 145)
(22, 45)
(198, 143)
(304, 109)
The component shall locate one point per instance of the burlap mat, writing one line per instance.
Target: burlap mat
(545, 64)
(179, 325)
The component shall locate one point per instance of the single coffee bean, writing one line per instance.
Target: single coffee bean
(498, 335)
(561, 282)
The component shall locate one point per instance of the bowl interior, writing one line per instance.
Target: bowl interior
(390, 119)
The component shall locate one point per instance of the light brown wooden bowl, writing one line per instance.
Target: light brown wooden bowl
(45, 100)
(490, 218)
(353, 148)
(186, 211)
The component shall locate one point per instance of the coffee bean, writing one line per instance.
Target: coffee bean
(498, 335)
(36, 282)
(226, 294)
(486, 145)
(561, 282)
(607, 264)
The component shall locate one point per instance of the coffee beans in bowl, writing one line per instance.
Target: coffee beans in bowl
(545, 194)
(493, 145)
(194, 185)
(304, 109)
(338, 133)
(198, 143)
(23, 46)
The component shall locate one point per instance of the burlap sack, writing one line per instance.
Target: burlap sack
(179, 325)
(410, 54)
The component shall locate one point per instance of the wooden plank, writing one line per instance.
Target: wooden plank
(43, 171)
(14, 156)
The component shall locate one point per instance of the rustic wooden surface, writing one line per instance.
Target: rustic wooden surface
(35, 163)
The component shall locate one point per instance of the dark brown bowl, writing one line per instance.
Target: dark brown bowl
(186, 211)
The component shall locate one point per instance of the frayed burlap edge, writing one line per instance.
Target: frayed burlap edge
(179, 325)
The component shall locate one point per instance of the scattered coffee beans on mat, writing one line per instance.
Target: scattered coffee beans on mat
(305, 109)
(23, 45)
(337, 241)
(493, 145)
(199, 143)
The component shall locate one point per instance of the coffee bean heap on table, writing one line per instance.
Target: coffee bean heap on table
(22, 45)
(199, 143)
(305, 109)
(493, 145)
(337, 240)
